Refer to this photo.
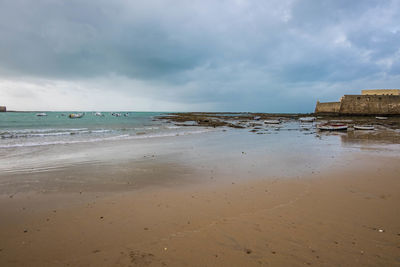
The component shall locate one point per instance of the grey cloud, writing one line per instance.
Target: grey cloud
(67, 39)
(382, 43)
(233, 53)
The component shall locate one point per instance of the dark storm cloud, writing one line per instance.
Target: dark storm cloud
(74, 39)
(232, 53)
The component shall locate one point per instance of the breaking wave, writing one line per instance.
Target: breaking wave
(138, 135)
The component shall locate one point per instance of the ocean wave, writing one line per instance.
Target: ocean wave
(49, 132)
(45, 130)
(34, 133)
(110, 138)
(147, 128)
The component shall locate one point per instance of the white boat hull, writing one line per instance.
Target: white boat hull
(332, 127)
(272, 122)
(307, 119)
(366, 127)
(75, 116)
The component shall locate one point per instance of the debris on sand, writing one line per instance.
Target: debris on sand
(248, 251)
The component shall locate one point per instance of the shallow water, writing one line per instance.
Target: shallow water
(291, 149)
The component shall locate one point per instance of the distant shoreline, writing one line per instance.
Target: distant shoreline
(224, 114)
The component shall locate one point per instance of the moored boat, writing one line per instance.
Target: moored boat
(341, 121)
(332, 127)
(76, 115)
(364, 127)
(307, 119)
(41, 114)
(381, 118)
(272, 121)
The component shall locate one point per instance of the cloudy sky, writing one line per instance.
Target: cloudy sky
(179, 55)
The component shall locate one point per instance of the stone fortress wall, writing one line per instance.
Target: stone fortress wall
(370, 102)
(381, 92)
(327, 107)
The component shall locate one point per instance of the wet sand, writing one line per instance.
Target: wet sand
(290, 197)
(345, 215)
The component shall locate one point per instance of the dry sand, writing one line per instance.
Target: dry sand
(348, 215)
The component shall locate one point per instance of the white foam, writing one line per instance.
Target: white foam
(48, 132)
(118, 137)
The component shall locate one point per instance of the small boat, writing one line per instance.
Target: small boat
(126, 115)
(381, 118)
(116, 114)
(341, 121)
(272, 121)
(307, 119)
(257, 118)
(332, 127)
(98, 114)
(76, 115)
(364, 127)
(42, 114)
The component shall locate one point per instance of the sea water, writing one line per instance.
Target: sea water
(25, 129)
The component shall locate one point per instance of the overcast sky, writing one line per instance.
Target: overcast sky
(179, 55)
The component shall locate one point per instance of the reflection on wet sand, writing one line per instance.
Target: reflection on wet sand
(363, 137)
(371, 137)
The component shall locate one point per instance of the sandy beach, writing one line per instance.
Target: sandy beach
(201, 201)
(199, 133)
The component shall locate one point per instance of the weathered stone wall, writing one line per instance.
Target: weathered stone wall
(3, 109)
(370, 104)
(327, 107)
(381, 92)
